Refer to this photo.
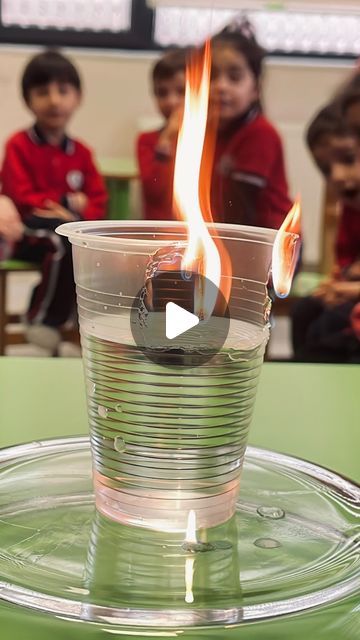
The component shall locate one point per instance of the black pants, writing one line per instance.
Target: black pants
(53, 299)
(323, 334)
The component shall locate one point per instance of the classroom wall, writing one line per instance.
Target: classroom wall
(117, 101)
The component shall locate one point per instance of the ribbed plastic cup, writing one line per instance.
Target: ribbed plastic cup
(166, 440)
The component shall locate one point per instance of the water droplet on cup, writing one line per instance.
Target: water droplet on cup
(102, 411)
(119, 444)
(105, 307)
(267, 543)
(98, 264)
(120, 294)
(273, 513)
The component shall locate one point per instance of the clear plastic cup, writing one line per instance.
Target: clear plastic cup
(166, 440)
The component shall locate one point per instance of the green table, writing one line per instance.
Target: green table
(310, 411)
(118, 173)
(305, 410)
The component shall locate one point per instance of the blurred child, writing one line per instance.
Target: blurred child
(156, 149)
(249, 183)
(318, 136)
(51, 178)
(321, 328)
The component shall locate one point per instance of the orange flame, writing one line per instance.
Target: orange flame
(192, 179)
(286, 251)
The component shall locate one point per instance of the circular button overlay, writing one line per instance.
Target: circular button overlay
(179, 318)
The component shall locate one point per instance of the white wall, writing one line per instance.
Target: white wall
(117, 98)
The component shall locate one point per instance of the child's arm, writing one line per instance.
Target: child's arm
(17, 182)
(94, 205)
(11, 227)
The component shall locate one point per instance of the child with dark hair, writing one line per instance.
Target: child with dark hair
(51, 178)
(249, 183)
(318, 136)
(321, 324)
(156, 149)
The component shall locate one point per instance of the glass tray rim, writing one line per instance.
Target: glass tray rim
(73, 609)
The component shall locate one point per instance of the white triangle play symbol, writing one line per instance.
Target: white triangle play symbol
(178, 320)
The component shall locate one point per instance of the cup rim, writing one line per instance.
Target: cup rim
(83, 233)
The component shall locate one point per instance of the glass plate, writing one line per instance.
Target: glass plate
(292, 546)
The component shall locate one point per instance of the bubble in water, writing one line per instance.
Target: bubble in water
(273, 513)
(85, 244)
(102, 411)
(118, 408)
(119, 444)
(267, 543)
(98, 264)
(105, 307)
(120, 294)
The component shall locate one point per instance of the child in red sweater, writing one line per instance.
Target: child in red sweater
(249, 183)
(322, 324)
(156, 149)
(51, 178)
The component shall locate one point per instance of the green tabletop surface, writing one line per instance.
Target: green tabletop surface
(309, 411)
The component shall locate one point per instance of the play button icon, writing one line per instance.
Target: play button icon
(167, 325)
(178, 320)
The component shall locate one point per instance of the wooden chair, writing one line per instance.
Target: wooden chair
(18, 337)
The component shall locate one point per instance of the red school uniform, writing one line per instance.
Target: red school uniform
(34, 171)
(348, 237)
(250, 151)
(157, 178)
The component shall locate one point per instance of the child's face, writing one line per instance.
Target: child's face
(345, 169)
(53, 104)
(233, 85)
(169, 94)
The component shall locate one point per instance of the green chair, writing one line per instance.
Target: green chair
(7, 338)
(7, 267)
